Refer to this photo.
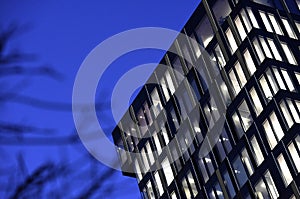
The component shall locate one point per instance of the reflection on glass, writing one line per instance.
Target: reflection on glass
(231, 40)
(239, 171)
(204, 31)
(259, 158)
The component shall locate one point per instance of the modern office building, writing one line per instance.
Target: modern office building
(254, 46)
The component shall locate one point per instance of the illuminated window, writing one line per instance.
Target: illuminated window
(165, 88)
(231, 40)
(149, 153)
(284, 170)
(186, 188)
(256, 102)
(286, 114)
(157, 143)
(288, 28)
(288, 80)
(258, 50)
(247, 161)
(273, 130)
(137, 170)
(238, 80)
(275, 24)
(220, 57)
(295, 156)
(274, 49)
(150, 190)
(173, 195)
(288, 53)
(265, 21)
(258, 156)
(265, 47)
(167, 171)
(252, 18)
(159, 186)
(245, 115)
(240, 27)
(145, 160)
(246, 20)
(265, 88)
(265, 188)
(192, 184)
(279, 79)
(249, 62)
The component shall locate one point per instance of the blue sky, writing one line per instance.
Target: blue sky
(61, 34)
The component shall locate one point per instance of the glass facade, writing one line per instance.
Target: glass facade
(255, 48)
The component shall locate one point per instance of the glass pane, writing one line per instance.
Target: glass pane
(270, 134)
(157, 107)
(293, 110)
(249, 62)
(275, 24)
(256, 102)
(288, 28)
(231, 40)
(234, 81)
(259, 158)
(158, 184)
(167, 171)
(289, 54)
(149, 152)
(265, 21)
(265, 47)
(261, 190)
(271, 185)
(240, 74)
(245, 115)
(247, 162)
(276, 126)
(238, 125)
(295, 156)
(228, 184)
(192, 183)
(246, 20)
(186, 189)
(279, 79)
(284, 170)
(204, 31)
(265, 88)
(258, 50)
(239, 171)
(286, 114)
(220, 56)
(274, 49)
(221, 9)
(150, 190)
(165, 88)
(272, 81)
(252, 18)
(288, 80)
(240, 27)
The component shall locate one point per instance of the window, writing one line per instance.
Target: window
(238, 80)
(239, 171)
(252, 18)
(228, 184)
(165, 89)
(145, 160)
(240, 27)
(288, 53)
(243, 117)
(265, 88)
(157, 143)
(265, 188)
(286, 114)
(203, 170)
(186, 188)
(247, 162)
(295, 156)
(221, 9)
(258, 50)
(149, 153)
(288, 80)
(216, 192)
(265, 21)
(265, 47)
(246, 20)
(267, 18)
(150, 190)
(137, 170)
(273, 130)
(167, 171)
(157, 107)
(231, 40)
(274, 49)
(204, 31)
(288, 28)
(220, 57)
(173, 195)
(192, 184)
(255, 101)
(196, 46)
(258, 156)
(159, 186)
(284, 170)
(249, 62)
(178, 70)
